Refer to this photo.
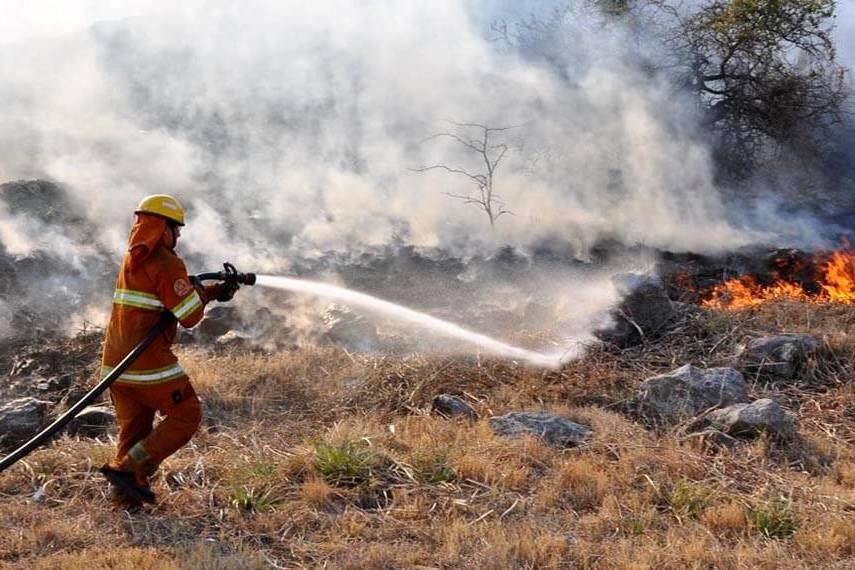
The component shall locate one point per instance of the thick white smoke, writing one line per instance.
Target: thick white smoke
(296, 127)
(22, 235)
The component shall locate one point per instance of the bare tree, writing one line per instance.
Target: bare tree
(490, 154)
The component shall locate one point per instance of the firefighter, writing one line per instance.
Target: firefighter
(152, 279)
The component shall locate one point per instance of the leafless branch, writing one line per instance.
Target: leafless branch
(478, 178)
(490, 154)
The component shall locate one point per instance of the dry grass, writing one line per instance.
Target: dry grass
(726, 520)
(318, 457)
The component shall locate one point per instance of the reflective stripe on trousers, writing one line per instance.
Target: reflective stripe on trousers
(155, 376)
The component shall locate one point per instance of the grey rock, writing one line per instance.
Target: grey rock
(218, 321)
(763, 415)
(554, 429)
(353, 383)
(92, 421)
(233, 339)
(41, 384)
(689, 390)
(645, 311)
(453, 406)
(779, 356)
(20, 419)
(40, 494)
(345, 328)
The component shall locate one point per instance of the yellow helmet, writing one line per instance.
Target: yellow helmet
(162, 205)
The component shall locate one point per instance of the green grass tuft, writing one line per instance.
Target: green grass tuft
(774, 519)
(433, 468)
(253, 500)
(347, 464)
(690, 499)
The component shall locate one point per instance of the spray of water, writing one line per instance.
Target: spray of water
(426, 322)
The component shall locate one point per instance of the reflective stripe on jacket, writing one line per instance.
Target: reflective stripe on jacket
(145, 287)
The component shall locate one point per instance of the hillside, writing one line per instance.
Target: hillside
(318, 457)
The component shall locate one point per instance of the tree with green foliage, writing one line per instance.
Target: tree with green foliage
(765, 69)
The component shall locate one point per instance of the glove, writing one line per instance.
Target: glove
(200, 288)
(227, 291)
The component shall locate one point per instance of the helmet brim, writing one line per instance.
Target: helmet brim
(168, 219)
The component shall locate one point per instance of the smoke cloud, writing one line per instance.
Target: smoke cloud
(291, 129)
(298, 127)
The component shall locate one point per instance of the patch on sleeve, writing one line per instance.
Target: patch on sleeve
(182, 287)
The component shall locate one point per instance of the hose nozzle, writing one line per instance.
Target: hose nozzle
(228, 275)
(232, 275)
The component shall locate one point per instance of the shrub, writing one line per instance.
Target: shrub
(434, 468)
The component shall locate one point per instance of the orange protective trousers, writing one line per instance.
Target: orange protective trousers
(135, 407)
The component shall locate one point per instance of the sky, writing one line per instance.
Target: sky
(846, 32)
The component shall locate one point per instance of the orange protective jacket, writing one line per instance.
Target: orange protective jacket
(152, 279)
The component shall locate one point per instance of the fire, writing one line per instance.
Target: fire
(839, 286)
(836, 284)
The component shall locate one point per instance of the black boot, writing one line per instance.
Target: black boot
(126, 482)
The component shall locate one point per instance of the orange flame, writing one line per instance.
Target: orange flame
(839, 286)
(836, 285)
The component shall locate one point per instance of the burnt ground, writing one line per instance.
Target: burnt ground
(49, 366)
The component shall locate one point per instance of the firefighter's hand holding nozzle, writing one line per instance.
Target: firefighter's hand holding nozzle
(230, 280)
(227, 291)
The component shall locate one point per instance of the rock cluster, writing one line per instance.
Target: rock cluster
(345, 328)
(20, 419)
(92, 421)
(23, 418)
(689, 390)
(712, 398)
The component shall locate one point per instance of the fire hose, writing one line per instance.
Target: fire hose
(229, 275)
